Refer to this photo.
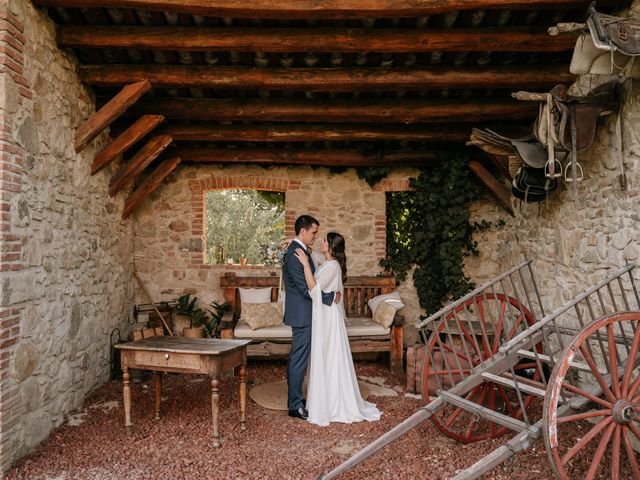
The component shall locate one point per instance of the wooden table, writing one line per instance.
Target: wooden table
(186, 355)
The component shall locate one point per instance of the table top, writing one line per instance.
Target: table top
(209, 346)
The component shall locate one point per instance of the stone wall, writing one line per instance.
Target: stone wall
(66, 258)
(169, 226)
(574, 241)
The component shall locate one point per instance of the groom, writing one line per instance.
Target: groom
(297, 312)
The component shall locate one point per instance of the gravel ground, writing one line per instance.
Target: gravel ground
(94, 444)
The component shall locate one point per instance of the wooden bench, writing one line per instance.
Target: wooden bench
(364, 334)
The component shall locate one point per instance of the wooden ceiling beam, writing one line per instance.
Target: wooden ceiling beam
(313, 9)
(320, 157)
(138, 163)
(109, 112)
(325, 79)
(314, 133)
(337, 111)
(149, 185)
(315, 40)
(124, 141)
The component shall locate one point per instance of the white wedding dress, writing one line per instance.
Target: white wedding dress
(332, 392)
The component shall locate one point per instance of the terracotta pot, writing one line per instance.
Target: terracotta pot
(197, 332)
(243, 261)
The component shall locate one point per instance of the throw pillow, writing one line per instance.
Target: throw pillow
(261, 315)
(376, 301)
(386, 312)
(255, 295)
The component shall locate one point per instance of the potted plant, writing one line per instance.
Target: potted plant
(212, 327)
(197, 317)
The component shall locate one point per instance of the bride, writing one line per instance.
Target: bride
(332, 393)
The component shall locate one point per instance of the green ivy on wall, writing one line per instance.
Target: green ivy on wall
(430, 227)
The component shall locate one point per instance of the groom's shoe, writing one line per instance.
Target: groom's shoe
(299, 413)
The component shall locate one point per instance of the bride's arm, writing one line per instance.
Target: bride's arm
(308, 274)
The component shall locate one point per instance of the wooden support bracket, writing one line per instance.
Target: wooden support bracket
(138, 163)
(125, 140)
(152, 182)
(107, 114)
(496, 187)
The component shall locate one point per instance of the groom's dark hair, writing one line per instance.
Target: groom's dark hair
(306, 222)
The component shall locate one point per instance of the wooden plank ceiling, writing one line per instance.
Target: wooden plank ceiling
(333, 82)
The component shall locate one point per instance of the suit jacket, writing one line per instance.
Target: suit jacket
(297, 310)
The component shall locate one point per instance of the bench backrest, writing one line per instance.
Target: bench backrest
(357, 291)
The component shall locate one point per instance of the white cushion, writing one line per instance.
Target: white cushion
(355, 327)
(255, 295)
(393, 296)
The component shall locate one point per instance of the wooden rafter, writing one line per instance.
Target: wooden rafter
(326, 79)
(138, 163)
(328, 157)
(496, 187)
(112, 110)
(315, 40)
(315, 132)
(149, 185)
(125, 140)
(312, 9)
(338, 111)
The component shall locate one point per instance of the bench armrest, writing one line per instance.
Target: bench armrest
(398, 321)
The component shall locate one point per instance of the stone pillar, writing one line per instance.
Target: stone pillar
(14, 92)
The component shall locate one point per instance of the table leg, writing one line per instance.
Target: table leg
(157, 380)
(215, 410)
(127, 396)
(243, 396)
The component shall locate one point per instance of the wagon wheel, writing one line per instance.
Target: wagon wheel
(502, 318)
(579, 448)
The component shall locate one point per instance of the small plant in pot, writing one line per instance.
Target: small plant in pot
(217, 310)
(198, 318)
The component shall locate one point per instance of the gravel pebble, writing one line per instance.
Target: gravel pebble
(274, 446)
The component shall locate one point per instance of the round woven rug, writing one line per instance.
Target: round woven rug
(273, 395)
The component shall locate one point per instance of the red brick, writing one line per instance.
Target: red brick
(8, 38)
(8, 343)
(4, 15)
(24, 92)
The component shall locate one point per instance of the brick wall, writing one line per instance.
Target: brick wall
(12, 155)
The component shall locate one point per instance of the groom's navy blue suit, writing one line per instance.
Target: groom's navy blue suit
(297, 314)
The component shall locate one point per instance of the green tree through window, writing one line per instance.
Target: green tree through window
(240, 223)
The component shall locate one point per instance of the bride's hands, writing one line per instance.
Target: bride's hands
(302, 256)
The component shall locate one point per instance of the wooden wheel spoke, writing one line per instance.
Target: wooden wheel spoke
(634, 430)
(631, 455)
(630, 362)
(452, 350)
(498, 331)
(582, 416)
(451, 372)
(459, 410)
(505, 398)
(613, 360)
(585, 440)
(475, 419)
(615, 453)
(634, 386)
(514, 329)
(524, 366)
(584, 394)
(596, 373)
(602, 446)
(485, 342)
(470, 339)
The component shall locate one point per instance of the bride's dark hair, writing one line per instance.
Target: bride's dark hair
(336, 249)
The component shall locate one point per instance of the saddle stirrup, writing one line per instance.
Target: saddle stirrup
(553, 168)
(568, 172)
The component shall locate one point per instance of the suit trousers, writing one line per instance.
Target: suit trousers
(297, 365)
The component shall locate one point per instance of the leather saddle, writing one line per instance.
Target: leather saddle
(609, 48)
(564, 111)
(614, 33)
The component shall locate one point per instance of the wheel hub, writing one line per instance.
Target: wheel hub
(622, 412)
